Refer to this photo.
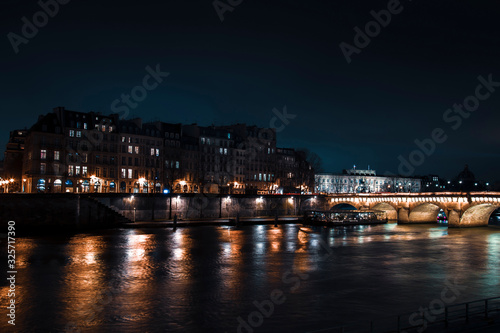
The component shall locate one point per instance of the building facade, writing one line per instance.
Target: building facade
(13, 161)
(78, 152)
(364, 181)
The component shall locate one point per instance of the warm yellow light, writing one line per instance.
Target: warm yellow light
(12, 180)
(142, 180)
(182, 182)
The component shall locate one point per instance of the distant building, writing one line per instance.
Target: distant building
(13, 162)
(466, 181)
(364, 181)
(434, 183)
(294, 173)
(70, 151)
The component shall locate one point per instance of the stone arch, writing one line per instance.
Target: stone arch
(425, 213)
(495, 218)
(477, 215)
(392, 213)
(337, 205)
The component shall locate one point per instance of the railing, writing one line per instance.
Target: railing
(475, 313)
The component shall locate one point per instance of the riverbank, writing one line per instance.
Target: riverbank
(214, 222)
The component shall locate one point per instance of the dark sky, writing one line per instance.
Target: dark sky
(265, 55)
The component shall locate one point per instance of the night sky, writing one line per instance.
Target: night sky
(265, 55)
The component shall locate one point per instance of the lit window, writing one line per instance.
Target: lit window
(123, 139)
(229, 135)
(157, 152)
(225, 151)
(43, 154)
(70, 170)
(56, 155)
(221, 150)
(71, 133)
(152, 151)
(43, 167)
(177, 164)
(84, 171)
(78, 134)
(103, 128)
(260, 176)
(77, 170)
(129, 173)
(124, 173)
(137, 149)
(84, 125)
(130, 149)
(203, 140)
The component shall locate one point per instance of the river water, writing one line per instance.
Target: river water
(203, 279)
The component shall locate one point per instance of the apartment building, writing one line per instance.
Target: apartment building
(79, 152)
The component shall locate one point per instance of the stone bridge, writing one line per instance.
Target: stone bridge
(463, 209)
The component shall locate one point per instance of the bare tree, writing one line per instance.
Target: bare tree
(313, 159)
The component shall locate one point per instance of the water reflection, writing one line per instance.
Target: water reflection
(203, 279)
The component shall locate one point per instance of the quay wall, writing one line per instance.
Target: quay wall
(144, 207)
(60, 212)
(55, 213)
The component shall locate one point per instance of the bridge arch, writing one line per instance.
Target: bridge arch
(478, 215)
(390, 210)
(425, 213)
(342, 205)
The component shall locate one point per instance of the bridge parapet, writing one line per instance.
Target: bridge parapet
(424, 207)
